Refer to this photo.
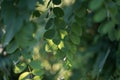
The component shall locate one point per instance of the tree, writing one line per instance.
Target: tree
(59, 39)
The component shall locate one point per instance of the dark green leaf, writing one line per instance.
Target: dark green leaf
(76, 29)
(49, 23)
(13, 23)
(58, 11)
(49, 34)
(24, 37)
(26, 54)
(11, 47)
(59, 23)
(117, 34)
(56, 2)
(36, 13)
(112, 35)
(57, 38)
(75, 39)
(56, 41)
(113, 11)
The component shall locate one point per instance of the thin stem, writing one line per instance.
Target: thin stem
(102, 63)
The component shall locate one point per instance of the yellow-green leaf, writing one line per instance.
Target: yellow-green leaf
(20, 67)
(24, 76)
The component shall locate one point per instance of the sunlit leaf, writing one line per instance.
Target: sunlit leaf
(24, 76)
(37, 78)
(37, 72)
(20, 68)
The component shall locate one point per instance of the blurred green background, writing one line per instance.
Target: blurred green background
(59, 40)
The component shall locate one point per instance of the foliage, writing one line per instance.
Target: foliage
(59, 39)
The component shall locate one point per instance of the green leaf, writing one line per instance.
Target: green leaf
(15, 57)
(80, 20)
(112, 35)
(49, 23)
(26, 54)
(106, 27)
(11, 47)
(113, 10)
(49, 34)
(58, 11)
(73, 50)
(75, 39)
(100, 15)
(59, 23)
(24, 76)
(76, 29)
(37, 72)
(57, 38)
(20, 68)
(56, 2)
(35, 64)
(95, 4)
(37, 78)
(12, 21)
(24, 37)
